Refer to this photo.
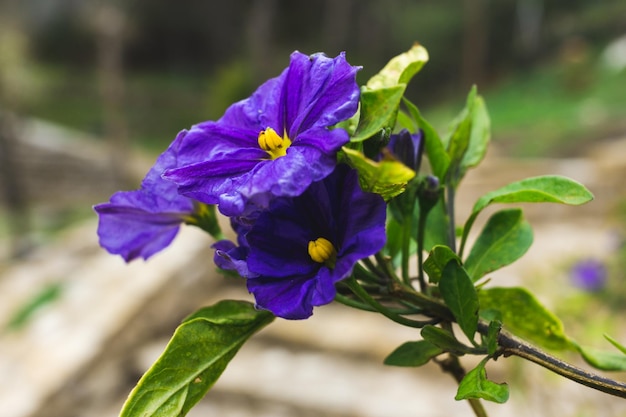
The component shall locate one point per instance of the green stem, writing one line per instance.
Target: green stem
(421, 229)
(450, 194)
(406, 243)
(351, 302)
(360, 292)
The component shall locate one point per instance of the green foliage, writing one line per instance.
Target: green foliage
(378, 110)
(436, 152)
(459, 294)
(505, 238)
(437, 260)
(525, 316)
(444, 339)
(381, 96)
(46, 295)
(387, 178)
(194, 359)
(542, 189)
(413, 354)
(476, 385)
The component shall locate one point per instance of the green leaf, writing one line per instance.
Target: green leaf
(400, 69)
(615, 343)
(458, 291)
(435, 150)
(193, 360)
(443, 339)
(378, 111)
(458, 140)
(490, 341)
(413, 354)
(524, 316)
(387, 178)
(505, 238)
(606, 361)
(476, 385)
(438, 258)
(480, 134)
(542, 189)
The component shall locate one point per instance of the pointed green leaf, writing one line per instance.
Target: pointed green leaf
(400, 69)
(378, 111)
(413, 354)
(458, 139)
(476, 385)
(606, 361)
(523, 315)
(480, 134)
(387, 178)
(194, 359)
(503, 240)
(615, 343)
(438, 258)
(459, 294)
(443, 339)
(435, 150)
(542, 189)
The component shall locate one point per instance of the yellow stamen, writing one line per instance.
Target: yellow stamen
(273, 144)
(322, 251)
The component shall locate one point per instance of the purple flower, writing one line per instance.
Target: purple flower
(274, 143)
(143, 222)
(589, 275)
(297, 250)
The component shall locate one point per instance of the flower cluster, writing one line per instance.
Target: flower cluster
(270, 164)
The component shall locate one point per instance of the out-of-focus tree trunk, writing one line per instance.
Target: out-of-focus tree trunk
(260, 33)
(110, 27)
(13, 189)
(529, 15)
(337, 24)
(475, 37)
(15, 90)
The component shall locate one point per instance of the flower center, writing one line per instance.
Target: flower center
(323, 252)
(273, 144)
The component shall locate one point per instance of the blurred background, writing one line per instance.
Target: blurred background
(92, 91)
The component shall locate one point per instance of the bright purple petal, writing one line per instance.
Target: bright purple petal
(224, 163)
(141, 223)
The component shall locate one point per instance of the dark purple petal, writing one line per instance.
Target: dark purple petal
(231, 257)
(289, 299)
(407, 148)
(289, 282)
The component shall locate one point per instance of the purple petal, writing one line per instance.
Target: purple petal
(141, 223)
(290, 299)
(318, 92)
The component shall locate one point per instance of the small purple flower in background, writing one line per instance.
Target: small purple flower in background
(300, 247)
(407, 148)
(143, 222)
(589, 275)
(274, 143)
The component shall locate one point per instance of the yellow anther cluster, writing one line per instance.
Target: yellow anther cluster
(322, 251)
(272, 143)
